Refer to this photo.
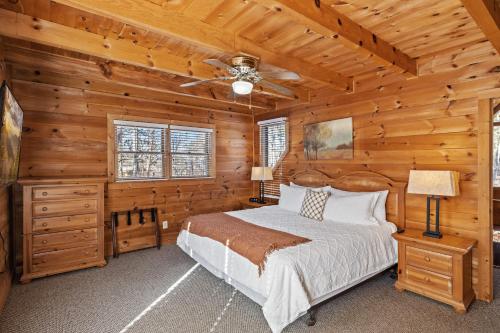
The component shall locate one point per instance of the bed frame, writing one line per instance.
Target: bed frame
(359, 181)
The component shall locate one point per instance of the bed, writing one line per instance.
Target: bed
(297, 278)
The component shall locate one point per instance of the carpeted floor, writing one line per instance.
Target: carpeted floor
(143, 292)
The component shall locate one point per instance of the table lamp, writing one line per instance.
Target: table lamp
(434, 184)
(262, 174)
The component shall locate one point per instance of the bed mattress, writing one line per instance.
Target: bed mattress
(298, 277)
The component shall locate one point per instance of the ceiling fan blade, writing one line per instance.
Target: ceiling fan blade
(218, 64)
(190, 84)
(276, 87)
(280, 75)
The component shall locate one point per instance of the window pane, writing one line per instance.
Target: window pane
(496, 156)
(496, 117)
(191, 153)
(140, 165)
(276, 145)
(139, 152)
(190, 166)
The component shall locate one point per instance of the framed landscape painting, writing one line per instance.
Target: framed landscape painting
(329, 140)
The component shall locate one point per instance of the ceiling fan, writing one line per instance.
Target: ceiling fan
(244, 71)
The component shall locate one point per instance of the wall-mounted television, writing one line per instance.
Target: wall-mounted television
(11, 126)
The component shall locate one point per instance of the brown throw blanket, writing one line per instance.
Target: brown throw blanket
(249, 240)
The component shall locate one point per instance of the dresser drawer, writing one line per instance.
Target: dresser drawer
(429, 280)
(432, 261)
(55, 208)
(64, 223)
(64, 240)
(64, 192)
(62, 259)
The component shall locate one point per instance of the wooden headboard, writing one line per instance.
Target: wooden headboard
(361, 181)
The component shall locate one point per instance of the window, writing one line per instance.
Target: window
(191, 151)
(496, 148)
(153, 151)
(273, 148)
(140, 150)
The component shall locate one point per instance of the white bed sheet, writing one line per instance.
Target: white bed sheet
(295, 278)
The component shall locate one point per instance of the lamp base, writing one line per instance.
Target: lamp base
(433, 234)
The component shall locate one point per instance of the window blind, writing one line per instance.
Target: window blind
(273, 135)
(139, 151)
(191, 152)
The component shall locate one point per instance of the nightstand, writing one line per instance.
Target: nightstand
(249, 205)
(440, 269)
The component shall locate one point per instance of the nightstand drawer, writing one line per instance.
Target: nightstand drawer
(432, 261)
(429, 280)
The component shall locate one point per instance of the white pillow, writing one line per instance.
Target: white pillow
(291, 198)
(352, 209)
(327, 188)
(379, 212)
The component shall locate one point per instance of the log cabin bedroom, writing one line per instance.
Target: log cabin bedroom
(248, 166)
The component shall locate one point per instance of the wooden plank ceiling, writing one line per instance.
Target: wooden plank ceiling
(330, 46)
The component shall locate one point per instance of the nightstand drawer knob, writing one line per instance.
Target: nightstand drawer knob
(87, 205)
(427, 279)
(44, 194)
(44, 209)
(427, 258)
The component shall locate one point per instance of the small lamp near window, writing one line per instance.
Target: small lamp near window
(262, 174)
(434, 184)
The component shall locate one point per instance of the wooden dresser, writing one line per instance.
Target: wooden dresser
(63, 225)
(440, 269)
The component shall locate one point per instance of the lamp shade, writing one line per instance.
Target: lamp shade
(433, 182)
(262, 173)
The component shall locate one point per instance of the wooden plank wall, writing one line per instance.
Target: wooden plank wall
(424, 123)
(65, 134)
(5, 277)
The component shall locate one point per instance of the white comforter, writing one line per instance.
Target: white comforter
(295, 278)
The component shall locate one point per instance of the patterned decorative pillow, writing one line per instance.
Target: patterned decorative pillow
(314, 205)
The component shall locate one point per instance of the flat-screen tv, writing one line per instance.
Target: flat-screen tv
(11, 126)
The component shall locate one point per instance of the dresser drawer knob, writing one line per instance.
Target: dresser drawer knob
(69, 218)
(44, 241)
(87, 205)
(87, 191)
(44, 194)
(44, 224)
(427, 279)
(427, 258)
(87, 219)
(44, 209)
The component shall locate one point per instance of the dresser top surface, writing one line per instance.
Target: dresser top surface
(61, 180)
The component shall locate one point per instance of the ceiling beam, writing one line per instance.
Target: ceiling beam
(25, 27)
(48, 67)
(152, 17)
(486, 13)
(326, 21)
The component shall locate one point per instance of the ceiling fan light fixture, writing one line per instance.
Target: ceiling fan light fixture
(242, 87)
